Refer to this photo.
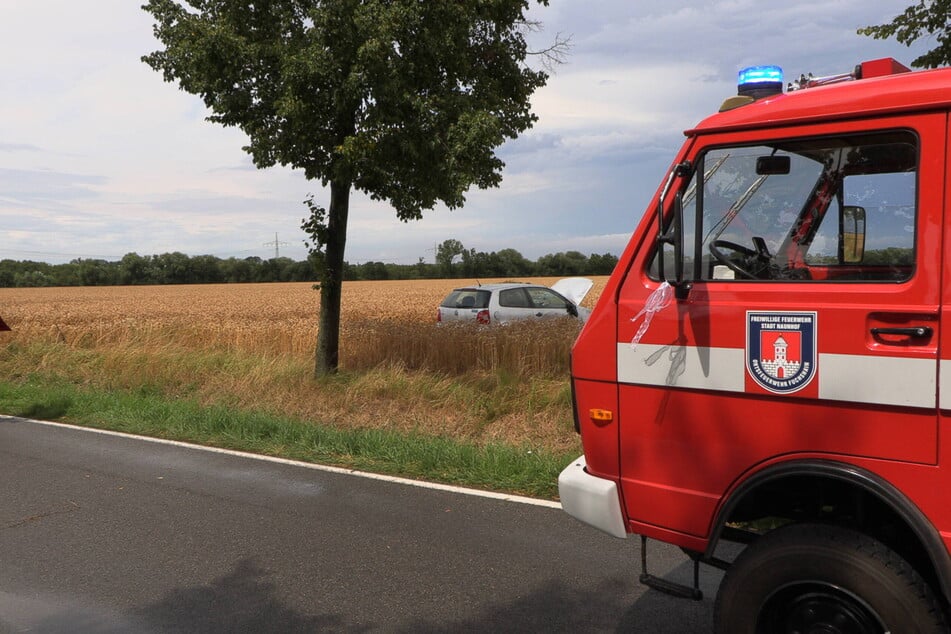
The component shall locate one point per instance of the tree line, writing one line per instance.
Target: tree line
(179, 268)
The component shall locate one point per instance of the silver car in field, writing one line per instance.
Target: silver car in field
(511, 301)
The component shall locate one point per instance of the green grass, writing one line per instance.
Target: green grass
(506, 427)
(152, 412)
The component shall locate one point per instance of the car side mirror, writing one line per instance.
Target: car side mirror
(572, 309)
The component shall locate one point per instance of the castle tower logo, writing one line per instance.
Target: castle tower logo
(781, 349)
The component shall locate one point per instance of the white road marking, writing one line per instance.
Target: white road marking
(306, 465)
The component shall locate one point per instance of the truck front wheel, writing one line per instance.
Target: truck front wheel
(817, 578)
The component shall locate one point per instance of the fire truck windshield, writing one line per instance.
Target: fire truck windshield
(824, 208)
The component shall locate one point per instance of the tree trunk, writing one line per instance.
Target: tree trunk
(331, 283)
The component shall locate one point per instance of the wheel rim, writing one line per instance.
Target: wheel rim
(817, 608)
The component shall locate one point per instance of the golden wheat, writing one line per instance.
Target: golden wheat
(251, 346)
(270, 319)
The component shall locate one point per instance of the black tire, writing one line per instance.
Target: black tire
(809, 578)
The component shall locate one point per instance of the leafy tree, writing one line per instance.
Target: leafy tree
(178, 268)
(33, 278)
(298, 271)
(512, 263)
(929, 18)
(134, 269)
(206, 269)
(95, 272)
(601, 264)
(8, 271)
(421, 269)
(401, 99)
(563, 264)
(472, 262)
(445, 253)
(173, 268)
(62, 274)
(374, 271)
(235, 270)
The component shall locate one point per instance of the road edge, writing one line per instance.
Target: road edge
(505, 497)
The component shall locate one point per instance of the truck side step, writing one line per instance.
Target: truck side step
(670, 587)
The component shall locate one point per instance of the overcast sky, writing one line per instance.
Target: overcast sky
(99, 157)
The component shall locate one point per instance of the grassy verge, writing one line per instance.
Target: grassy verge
(481, 407)
(145, 411)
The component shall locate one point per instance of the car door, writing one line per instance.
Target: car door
(464, 304)
(513, 305)
(809, 328)
(547, 303)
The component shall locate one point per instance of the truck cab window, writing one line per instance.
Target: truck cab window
(825, 209)
(888, 203)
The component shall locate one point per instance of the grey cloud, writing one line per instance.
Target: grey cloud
(19, 147)
(733, 33)
(60, 240)
(24, 186)
(247, 165)
(608, 150)
(529, 144)
(221, 204)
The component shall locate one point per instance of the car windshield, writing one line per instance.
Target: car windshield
(467, 298)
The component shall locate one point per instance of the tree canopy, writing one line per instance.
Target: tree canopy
(178, 268)
(403, 100)
(929, 18)
(446, 252)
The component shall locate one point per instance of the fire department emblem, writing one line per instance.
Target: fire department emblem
(781, 350)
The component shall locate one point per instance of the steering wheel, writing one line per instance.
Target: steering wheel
(751, 264)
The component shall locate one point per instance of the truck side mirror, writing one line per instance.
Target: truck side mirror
(674, 233)
(678, 238)
(853, 234)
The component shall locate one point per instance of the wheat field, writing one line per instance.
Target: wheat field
(251, 346)
(276, 319)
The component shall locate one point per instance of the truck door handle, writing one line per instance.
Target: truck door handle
(916, 332)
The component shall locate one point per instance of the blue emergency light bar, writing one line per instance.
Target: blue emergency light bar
(760, 81)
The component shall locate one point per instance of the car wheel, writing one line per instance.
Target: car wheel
(817, 578)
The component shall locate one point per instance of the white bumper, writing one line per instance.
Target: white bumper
(591, 499)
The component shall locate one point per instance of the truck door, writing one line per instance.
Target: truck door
(808, 317)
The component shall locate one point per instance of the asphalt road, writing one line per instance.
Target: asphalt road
(101, 533)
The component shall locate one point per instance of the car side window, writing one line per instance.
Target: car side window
(514, 298)
(467, 298)
(546, 298)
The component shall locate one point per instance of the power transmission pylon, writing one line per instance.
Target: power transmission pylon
(277, 246)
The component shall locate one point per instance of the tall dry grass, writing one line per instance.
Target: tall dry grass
(529, 349)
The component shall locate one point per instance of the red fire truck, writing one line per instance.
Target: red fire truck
(770, 363)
